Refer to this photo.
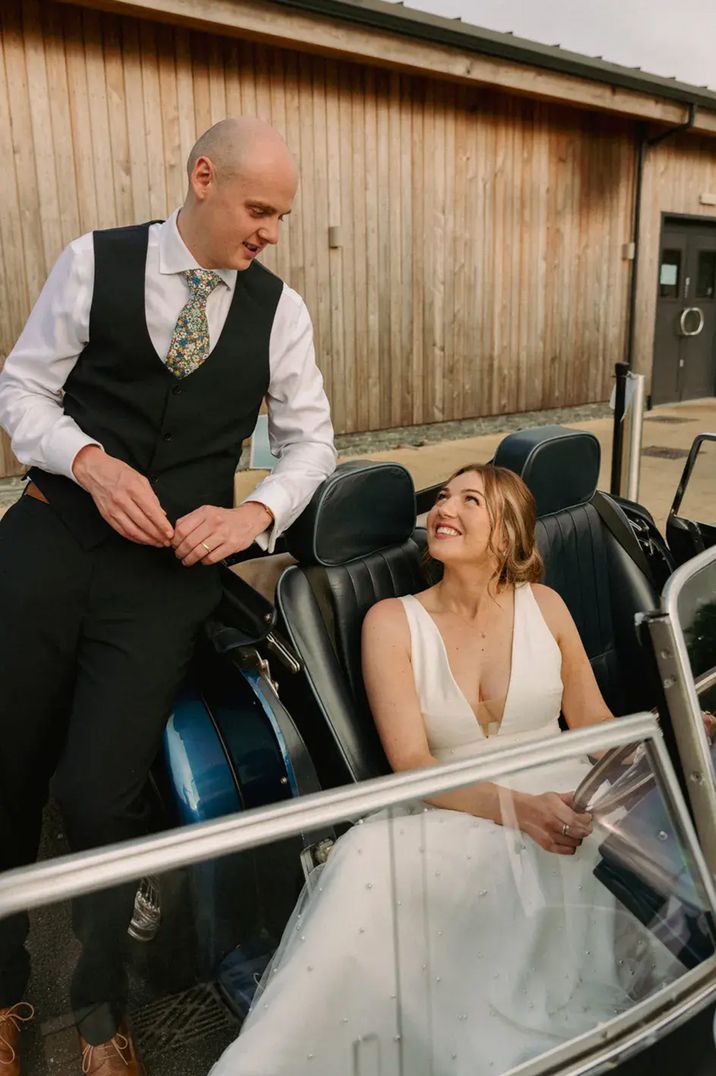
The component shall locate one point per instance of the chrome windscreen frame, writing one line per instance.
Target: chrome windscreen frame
(680, 692)
(593, 1052)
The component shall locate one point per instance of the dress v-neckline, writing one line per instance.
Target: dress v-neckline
(458, 690)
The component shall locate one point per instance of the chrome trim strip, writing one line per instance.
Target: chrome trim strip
(676, 580)
(620, 1040)
(657, 1015)
(680, 691)
(706, 681)
(83, 872)
(665, 771)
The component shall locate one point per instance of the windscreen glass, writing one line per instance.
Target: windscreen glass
(438, 936)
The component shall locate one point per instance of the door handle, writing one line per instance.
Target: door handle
(682, 321)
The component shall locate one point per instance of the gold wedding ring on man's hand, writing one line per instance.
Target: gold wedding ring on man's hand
(565, 829)
(205, 547)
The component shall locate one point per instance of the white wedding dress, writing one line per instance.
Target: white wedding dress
(439, 944)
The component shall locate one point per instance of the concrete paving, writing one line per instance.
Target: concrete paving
(667, 430)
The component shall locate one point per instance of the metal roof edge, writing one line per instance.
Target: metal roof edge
(440, 30)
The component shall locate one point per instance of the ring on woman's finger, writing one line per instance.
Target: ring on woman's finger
(205, 547)
(565, 829)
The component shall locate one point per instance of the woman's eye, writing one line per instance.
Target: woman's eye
(470, 497)
(440, 497)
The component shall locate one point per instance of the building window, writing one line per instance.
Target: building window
(706, 275)
(669, 274)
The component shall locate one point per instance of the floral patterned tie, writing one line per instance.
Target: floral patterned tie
(190, 340)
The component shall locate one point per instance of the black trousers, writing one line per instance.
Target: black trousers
(93, 646)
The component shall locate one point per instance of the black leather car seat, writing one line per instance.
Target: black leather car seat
(356, 544)
(600, 583)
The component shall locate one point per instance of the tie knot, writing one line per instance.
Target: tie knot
(201, 282)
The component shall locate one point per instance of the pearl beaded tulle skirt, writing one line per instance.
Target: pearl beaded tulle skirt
(437, 944)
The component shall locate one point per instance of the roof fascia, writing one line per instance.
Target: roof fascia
(455, 32)
(309, 25)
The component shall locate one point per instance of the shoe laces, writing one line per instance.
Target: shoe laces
(117, 1044)
(21, 1013)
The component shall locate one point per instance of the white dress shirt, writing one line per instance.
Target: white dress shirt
(31, 383)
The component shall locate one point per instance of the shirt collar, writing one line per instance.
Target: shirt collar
(175, 256)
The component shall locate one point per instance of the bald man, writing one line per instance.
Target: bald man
(138, 375)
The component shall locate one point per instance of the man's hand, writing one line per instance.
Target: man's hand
(124, 498)
(208, 534)
(544, 818)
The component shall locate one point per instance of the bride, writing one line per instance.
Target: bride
(465, 935)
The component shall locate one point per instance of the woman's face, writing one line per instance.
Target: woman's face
(459, 526)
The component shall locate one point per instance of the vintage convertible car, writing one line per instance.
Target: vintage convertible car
(270, 753)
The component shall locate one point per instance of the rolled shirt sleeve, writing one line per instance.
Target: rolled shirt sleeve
(36, 369)
(299, 420)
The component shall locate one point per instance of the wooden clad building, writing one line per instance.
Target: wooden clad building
(465, 225)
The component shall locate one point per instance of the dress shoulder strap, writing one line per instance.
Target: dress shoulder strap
(531, 629)
(422, 643)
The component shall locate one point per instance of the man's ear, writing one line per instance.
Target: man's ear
(202, 177)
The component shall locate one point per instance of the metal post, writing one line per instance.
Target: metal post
(621, 369)
(636, 407)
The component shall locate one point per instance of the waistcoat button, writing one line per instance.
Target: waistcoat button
(168, 436)
(177, 390)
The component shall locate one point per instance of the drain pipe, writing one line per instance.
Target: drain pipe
(622, 369)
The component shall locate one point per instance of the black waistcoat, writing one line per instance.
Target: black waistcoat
(184, 435)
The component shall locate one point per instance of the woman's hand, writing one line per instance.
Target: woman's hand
(550, 821)
(709, 725)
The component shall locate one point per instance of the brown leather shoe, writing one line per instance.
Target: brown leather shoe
(10, 1021)
(117, 1057)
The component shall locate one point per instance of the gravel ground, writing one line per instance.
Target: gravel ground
(349, 444)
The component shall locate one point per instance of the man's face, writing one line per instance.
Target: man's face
(241, 214)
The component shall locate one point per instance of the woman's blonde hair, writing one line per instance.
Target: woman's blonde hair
(512, 512)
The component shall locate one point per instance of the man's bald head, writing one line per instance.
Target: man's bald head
(238, 145)
(242, 184)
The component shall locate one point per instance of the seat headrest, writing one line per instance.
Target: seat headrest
(559, 466)
(361, 508)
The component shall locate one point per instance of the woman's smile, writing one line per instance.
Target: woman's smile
(444, 530)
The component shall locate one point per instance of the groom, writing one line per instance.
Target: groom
(140, 371)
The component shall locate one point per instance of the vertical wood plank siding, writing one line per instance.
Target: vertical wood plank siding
(480, 266)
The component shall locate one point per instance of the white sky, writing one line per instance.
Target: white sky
(664, 37)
